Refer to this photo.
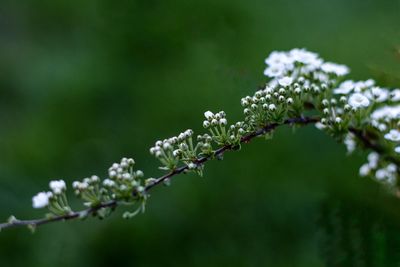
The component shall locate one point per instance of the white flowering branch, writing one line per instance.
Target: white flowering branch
(302, 89)
(32, 224)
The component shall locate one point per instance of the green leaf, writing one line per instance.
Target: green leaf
(269, 135)
(32, 228)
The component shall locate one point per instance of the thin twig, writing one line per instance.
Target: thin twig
(114, 203)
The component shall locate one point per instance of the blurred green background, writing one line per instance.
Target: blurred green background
(84, 83)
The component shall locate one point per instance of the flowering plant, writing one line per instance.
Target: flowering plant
(301, 89)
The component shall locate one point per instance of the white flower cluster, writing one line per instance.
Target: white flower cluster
(383, 173)
(123, 179)
(171, 150)
(58, 186)
(55, 200)
(350, 143)
(220, 134)
(41, 199)
(205, 144)
(374, 106)
(299, 81)
(298, 62)
(89, 190)
(183, 149)
(362, 94)
(300, 78)
(122, 182)
(271, 104)
(217, 119)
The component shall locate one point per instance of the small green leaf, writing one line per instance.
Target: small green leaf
(32, 228)
(130, 215)
(167, 182)
(11, 219)
(269, 135)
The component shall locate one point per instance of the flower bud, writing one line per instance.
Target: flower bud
(272, 107)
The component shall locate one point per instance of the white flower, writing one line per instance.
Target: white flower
(358, 100)
(274, 71)
(339, 70)
(378, 94)
(386, 113)
(84, 185)
(320, 126)
(382, 127)
(392, 168)
(397, 149)
(393, 135)
(373, 159)
(95, 178)
(192, 165)
(364, 170)
(344, 88)
(41, 200)
(108, 183)
(278, 58)
(305, 57)
(57, 186)
(350, 143)
(285, 81)
(381, 174)
(395, 95)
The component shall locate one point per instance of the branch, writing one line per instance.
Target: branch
(305, 82)
(368, 142)
(113, 204)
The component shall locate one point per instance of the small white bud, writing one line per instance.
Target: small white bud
(268, 90)
(95, 178)
(126, 176)
(112, 174)
(192, 166)
(209, 115)
(206, 124)
(272, 107)
(176, 152)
